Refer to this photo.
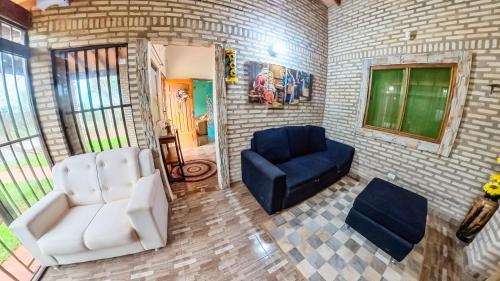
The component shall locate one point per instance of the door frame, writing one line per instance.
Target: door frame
(220, 111)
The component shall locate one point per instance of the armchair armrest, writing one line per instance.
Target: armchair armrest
(39, 219)
(148, 211)
(264, 180)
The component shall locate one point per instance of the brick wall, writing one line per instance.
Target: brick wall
(361, 29)
(248, 27)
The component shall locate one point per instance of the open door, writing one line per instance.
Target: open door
(180, 110)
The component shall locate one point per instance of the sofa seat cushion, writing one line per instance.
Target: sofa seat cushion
(305, 168)
(340, 161)
(272, 144)
(399, 210)
(110, 227)
(66, 237)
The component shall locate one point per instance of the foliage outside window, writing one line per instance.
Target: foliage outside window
(410, 100)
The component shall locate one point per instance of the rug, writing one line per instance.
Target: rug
(316, 240)
(196, 170)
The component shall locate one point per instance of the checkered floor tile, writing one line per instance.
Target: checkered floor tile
(315, 238)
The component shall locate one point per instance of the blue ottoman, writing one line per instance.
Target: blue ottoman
(390, 217)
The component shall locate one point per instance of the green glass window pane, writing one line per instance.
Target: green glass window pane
(426, 101)
(385, 97)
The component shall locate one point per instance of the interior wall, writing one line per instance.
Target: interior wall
(247, 26)
(361, 29)
(184, 62)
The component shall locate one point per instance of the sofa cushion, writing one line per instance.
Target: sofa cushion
(298, 140)
(296, 174)
(305, 168)
(272, 144)
(66, 237)
(77, 177)
(316, 162)
(118, 171)
(110, 227)
(399, 210)
(317, 139)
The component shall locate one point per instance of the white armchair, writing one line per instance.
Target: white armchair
(103, 205)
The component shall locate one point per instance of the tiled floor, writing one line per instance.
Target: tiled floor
(219, 235)
(213, 236)
(317, 242)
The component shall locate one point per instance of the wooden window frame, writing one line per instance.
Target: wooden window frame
(406, 80)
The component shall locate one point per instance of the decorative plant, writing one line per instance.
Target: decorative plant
(181, 95)
(492, 188)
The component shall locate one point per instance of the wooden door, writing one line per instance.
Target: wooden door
(181, 113)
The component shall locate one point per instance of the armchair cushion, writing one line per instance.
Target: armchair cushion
(272, 144)
(110, 227)
(77, 177)
(66, 237)
(118, 171)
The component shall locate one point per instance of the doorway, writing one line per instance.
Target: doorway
(186, 105)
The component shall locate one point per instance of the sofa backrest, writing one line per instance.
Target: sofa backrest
(99, 178)
(298, 140)
(118, 171)
(272, 144)
(281, 144)
(77, 177)
(146, 162)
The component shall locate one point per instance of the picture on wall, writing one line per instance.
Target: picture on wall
(276, 85)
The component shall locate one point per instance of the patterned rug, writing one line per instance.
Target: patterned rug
(196, 170)
(314, 237)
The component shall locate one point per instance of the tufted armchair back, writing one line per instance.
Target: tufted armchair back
(108, 176)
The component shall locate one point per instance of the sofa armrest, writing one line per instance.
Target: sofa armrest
(264, 180)
(39, 219)
(148, 211)
(338, 149)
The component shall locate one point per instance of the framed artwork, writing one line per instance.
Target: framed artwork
(277, 86)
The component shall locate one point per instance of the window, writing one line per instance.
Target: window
(25, 175)
(94, 98)
(410, 100)
(12, 33)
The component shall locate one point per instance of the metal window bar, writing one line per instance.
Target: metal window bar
(90, 98)
(24, 165)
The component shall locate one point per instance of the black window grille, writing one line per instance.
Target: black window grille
(94, 98)
(25, 175)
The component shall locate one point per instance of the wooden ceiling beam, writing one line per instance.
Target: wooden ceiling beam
(16, 14)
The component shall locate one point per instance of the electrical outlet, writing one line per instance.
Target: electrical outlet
(391, 176)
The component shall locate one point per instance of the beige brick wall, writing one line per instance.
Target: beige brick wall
(361, 29)
(249, 27)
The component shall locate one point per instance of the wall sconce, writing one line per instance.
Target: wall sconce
(276, 48)
(410, 35)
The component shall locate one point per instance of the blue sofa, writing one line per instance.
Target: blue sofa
(290, 164)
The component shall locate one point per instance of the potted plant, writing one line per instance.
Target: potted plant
(482, 210)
